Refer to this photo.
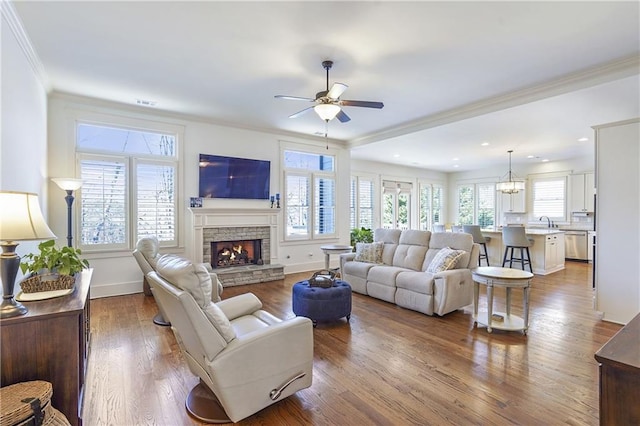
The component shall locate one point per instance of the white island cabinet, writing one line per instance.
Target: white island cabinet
(547, 252)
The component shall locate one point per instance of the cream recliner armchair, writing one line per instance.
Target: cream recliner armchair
(147, 253)
(246, 358)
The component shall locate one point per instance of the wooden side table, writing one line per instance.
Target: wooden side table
(501, 277)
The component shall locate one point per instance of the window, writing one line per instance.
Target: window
(431, 203)
(396, 204)
(310, 195)
(549, 197)
(130, 187)
(361, 202)
(477, 204)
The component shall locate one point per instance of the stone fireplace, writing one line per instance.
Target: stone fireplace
(237, 244)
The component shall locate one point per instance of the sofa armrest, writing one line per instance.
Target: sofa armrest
(453, 289)
(216, 290)
(237, 306)
(344, 258)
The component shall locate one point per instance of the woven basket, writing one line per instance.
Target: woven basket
(34, 284)
(16, 405)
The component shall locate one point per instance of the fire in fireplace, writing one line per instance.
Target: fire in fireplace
(235, 253)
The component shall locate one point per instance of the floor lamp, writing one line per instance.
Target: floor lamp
(20, 220)
(69, 185)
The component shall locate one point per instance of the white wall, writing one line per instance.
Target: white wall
(617, 263)
(23, 144)
(117, 272)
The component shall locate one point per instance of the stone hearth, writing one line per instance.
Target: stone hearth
(213, 225)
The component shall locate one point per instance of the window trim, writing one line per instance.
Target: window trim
(550, 177)
(76, 117)
(312, 175)
(368, 178)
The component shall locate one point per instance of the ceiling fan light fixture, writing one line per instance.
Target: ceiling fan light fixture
(510, 186)
(327, 111)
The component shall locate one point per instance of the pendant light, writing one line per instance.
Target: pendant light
(510, 185)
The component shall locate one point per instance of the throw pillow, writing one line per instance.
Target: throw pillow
(445, 259)
(369, 252)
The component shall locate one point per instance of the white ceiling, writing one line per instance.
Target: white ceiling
(527, 76)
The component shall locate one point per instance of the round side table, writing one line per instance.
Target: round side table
(333, 249)
(508, 278)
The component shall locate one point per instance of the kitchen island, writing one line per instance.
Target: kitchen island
(547, 252)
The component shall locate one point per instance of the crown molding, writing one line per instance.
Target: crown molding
(604, 73)
(15, 24)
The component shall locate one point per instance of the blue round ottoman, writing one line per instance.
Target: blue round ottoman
(322, 304)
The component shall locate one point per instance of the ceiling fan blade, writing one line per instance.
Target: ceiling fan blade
(294, 98)
(337, 90)
(366, 104)
(299, 113)
(343, 117)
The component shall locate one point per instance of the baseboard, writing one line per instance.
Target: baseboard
(303, 267)
(116, 289)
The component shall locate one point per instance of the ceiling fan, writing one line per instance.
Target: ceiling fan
(328, 104)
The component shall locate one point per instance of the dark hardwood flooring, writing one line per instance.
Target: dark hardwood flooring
(388, 366)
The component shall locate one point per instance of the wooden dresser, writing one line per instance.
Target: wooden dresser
(619, 362)
(51, 343)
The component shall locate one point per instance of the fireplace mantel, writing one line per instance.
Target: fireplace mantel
(202, 218)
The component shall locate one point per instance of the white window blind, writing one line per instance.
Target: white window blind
(325, 206)
(353, 202)
(549, 198)
(156, 201)
(297, 205)
(103, 204)
(430, 205)
(365, 203)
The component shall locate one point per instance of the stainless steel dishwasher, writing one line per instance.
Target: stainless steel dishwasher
(575, 245)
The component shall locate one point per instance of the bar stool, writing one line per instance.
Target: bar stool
(438, 228)
(515, 237)
(478, 238)
(456, 228)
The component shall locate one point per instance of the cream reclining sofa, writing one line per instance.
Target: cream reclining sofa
(400, 275)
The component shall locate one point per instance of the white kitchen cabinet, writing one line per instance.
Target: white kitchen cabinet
(554, 252)
(513, 203)
(582, 190)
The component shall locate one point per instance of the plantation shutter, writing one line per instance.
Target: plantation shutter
(297, 204)
(103, 218)
(353, 194)
(325, 206)
(156, 201)
(486, 204)
(465, 204)
(365, 202)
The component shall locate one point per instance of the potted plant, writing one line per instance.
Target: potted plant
(52, 263)
(362, 235)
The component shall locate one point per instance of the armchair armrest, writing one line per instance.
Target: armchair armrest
(237, 306)
(344, 258)
(285, 345)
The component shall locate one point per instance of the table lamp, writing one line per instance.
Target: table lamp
(20, 220)
(69, 185)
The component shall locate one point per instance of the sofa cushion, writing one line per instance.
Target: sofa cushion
(390, 238)
(195, 280)
(418, 282)
(415, 237)
(369, 252)
(454, 240)
(409, 256)
(384, 274)
(444, 260)
(358, 269)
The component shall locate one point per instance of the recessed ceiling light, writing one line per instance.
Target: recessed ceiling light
(456, 165)
(396, 155)
(583, 139)
(546, 160)
(455, 159)
(484, 144)
(145, 102)
(530, 156)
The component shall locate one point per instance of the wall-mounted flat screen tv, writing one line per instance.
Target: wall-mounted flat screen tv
(230, 177)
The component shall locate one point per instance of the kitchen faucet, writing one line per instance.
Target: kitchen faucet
(548, 221)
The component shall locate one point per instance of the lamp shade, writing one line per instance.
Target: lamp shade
(327, 111)
(21, 218)
(68, 184)
(510, 187)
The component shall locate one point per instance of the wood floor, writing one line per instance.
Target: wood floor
(388, 366)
